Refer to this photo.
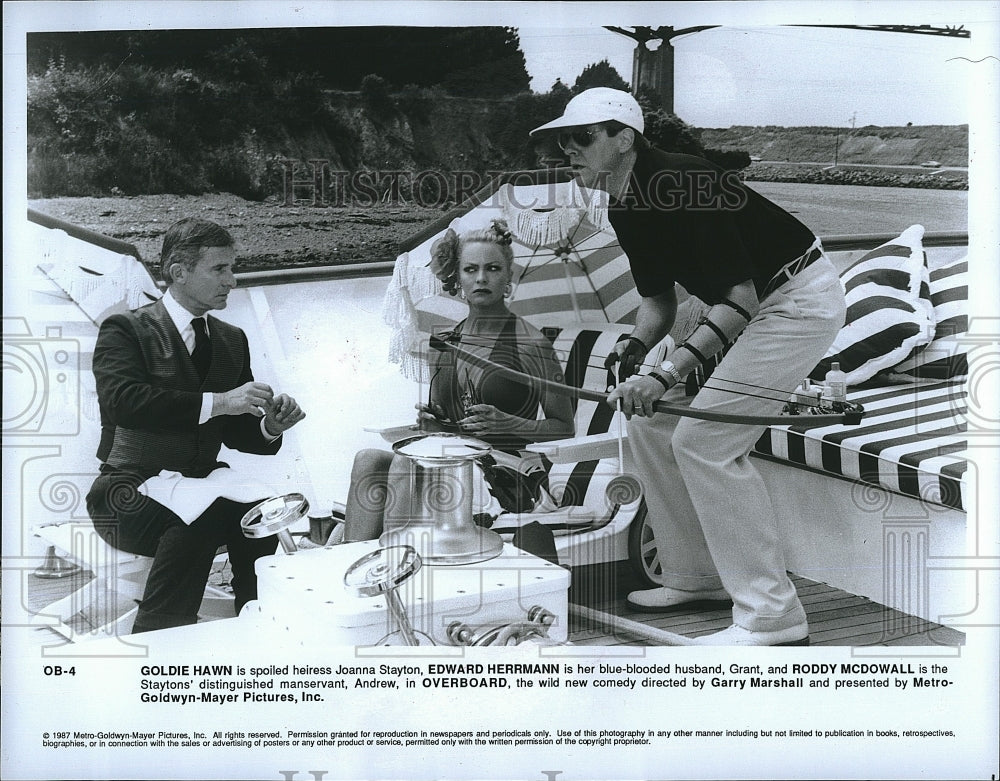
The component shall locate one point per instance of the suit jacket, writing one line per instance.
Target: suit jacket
(150, 396)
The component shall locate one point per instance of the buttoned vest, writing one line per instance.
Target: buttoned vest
(160, 445)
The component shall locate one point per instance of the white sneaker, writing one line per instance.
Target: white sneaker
(662, 599)
(737, 635)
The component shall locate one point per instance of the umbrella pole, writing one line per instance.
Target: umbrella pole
(572, 292)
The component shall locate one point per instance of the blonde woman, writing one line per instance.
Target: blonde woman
(486, 404)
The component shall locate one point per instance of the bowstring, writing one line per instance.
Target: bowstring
(563, 354)
(784, 396)
(836, 414)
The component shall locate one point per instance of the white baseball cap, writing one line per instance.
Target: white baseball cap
(600, 104)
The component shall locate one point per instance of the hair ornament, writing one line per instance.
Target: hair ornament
(444, 261)
(502, 232)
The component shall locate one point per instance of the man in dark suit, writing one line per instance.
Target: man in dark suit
(173, 387)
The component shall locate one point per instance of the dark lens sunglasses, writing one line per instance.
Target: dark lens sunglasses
(582, 138)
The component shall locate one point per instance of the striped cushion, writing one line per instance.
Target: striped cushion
(889, 312)
(911, 441)
(945, 356)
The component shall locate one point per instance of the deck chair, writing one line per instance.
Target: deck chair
(77, 284)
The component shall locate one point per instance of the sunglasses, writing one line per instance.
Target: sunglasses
(581, 138)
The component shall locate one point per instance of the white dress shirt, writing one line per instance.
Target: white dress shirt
(181, 318)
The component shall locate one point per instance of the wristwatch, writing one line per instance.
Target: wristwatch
(669, 368)
(671, 371)
(664, 381)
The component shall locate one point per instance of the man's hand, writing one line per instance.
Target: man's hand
(630, 353)
(253, 397)
(637, 396)
(283, 413)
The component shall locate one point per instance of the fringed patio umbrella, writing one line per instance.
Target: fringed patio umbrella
(569, 268)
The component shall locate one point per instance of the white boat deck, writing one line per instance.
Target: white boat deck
(324, 343)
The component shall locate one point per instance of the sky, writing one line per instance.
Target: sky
(755, 69)
(781, 75)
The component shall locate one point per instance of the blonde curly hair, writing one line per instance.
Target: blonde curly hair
(446, 251)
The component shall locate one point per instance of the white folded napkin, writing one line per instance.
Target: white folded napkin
(189, 497)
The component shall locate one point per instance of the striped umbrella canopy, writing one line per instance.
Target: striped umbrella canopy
(568, 268)
(568, 261)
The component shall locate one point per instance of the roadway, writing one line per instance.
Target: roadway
(900, 169)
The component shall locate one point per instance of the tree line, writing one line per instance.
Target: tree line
(192, 111)
(468, 61)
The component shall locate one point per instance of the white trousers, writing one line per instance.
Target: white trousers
(713, 520)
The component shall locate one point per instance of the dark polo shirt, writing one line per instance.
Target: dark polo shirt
(684, 219)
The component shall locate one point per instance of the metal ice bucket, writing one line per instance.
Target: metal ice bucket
(439, 522)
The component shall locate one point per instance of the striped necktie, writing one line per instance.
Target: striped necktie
(202, 353)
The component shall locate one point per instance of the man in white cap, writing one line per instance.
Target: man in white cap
(681, 219)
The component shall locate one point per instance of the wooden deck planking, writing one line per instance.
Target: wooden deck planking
(836, 618)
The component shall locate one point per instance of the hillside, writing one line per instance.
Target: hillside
(947, 144)
(148, 131)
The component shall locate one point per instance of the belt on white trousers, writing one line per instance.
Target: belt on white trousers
(789, 270)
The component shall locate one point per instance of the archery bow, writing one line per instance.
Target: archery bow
(851, 416)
